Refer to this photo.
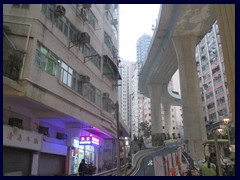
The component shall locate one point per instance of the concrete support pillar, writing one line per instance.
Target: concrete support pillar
(156, 116)
(167, 118)
(193, 118)
(225, 14)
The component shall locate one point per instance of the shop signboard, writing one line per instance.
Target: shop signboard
(88, 140)
(15, 137)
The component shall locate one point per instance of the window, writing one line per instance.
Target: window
(206, 77)
(62, 23)
(210, 105)
(209, 95)
(66, 74)
(212, 116)
(220, 100)
(91, 19)
(50, 63)
(50, 11)
(74, 80)
(46, 60)
(109, 44)
(22, 6)
(79, 85)
(222, 112)
(216, 69)
(219, 90)
(72, 33)
(89, 91)
(107, 104)
(217, 79)
(205, 67)
(88, 50)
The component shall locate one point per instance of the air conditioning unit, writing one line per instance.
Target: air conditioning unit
(59, 10)
(61, 136)
(114, 22)
(106, 95)
(85, 79)
(83, 38)
(43, 130)
(107, 7)
(15, 122)
(83, 14)
(87, 6)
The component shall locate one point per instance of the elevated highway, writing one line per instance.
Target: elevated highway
(179, 28)
(161, 62)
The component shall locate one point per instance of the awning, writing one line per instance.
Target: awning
(98, 132)
(107, 62)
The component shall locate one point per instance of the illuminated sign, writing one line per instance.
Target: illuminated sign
(87, 140)
(95, 141)
(75, 143)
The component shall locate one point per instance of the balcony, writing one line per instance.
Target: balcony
(12, 58)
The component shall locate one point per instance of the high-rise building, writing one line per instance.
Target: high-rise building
(142, 49)
(124, 91)
(59, 76)
(135, 97)
(212, 77)
(134, 102)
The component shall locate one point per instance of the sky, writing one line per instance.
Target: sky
(134, 21)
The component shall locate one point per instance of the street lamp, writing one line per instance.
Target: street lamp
(217, 154)
(226, 121)
(220, 130)
(126, 144)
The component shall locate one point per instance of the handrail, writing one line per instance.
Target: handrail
(137, 159)
(111, 172)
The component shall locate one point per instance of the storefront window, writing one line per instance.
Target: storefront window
(82, 152)
(89, 154)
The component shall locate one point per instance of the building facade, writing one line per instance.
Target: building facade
(124, 91)
(60, 68)
(212, 79)
(136, 98)
(142, 49)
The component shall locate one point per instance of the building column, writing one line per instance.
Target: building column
(167, 118)
(225, 14)
(35, 163)
(156, 115)
(192, 108)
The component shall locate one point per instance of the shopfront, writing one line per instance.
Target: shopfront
(86, 147)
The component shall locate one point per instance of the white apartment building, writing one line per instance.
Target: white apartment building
(124, 91)
(134, 101)
(59, 72)
(212, 79)
(140, 104)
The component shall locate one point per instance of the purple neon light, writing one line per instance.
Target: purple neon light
(102, 131)
(88, 140)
